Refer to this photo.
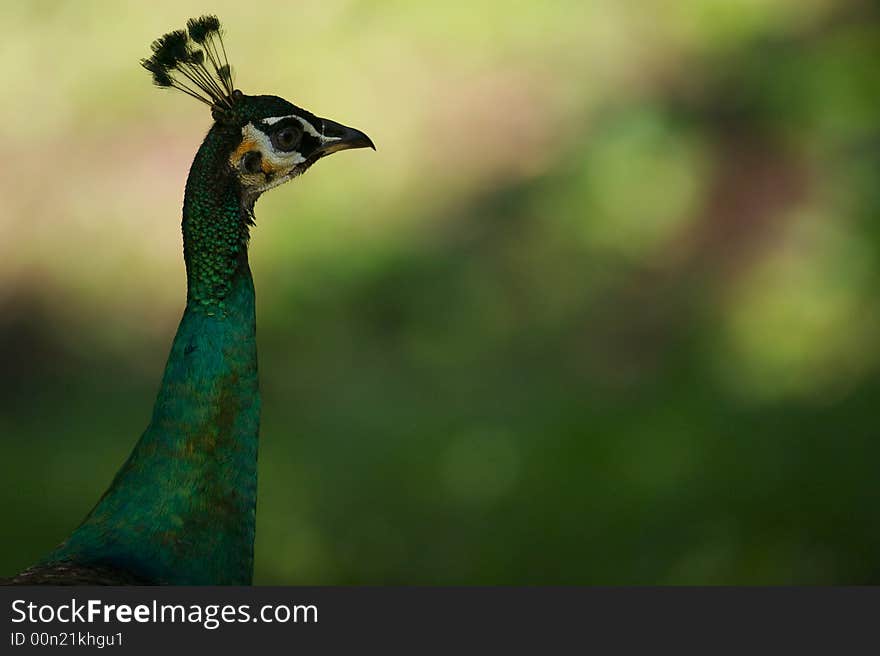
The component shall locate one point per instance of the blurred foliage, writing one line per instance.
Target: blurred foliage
(601, 309)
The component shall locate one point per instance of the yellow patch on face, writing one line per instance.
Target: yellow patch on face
(244, 147)
(247, 146)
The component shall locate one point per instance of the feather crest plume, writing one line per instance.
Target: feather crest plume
(194, 61)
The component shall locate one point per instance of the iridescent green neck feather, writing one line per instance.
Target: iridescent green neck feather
(181, 510)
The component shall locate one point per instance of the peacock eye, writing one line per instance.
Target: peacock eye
(252, 162)
(286, 138)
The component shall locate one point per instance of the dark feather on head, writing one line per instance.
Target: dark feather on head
(160, 75)
(202, 73)
(225, 73)
(201, 28)
(171, 48)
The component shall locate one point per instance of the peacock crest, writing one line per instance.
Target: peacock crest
(194, 61)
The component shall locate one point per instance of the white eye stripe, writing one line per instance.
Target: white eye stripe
(250, 133)
(308, 127)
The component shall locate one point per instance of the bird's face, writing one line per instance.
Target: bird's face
(280, 141)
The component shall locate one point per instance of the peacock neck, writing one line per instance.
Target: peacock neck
(182, 509)
(215, 223)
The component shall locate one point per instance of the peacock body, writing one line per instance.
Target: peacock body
(182, 508)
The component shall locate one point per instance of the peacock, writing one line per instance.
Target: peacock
(182, 508)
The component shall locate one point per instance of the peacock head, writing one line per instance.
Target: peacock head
(273, 140)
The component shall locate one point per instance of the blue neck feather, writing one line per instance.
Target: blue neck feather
(182, 509)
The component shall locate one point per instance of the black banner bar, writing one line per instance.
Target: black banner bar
(412, 620)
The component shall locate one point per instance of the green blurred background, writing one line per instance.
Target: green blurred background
(602, 309)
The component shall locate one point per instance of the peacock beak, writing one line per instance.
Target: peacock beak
(336, 137)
